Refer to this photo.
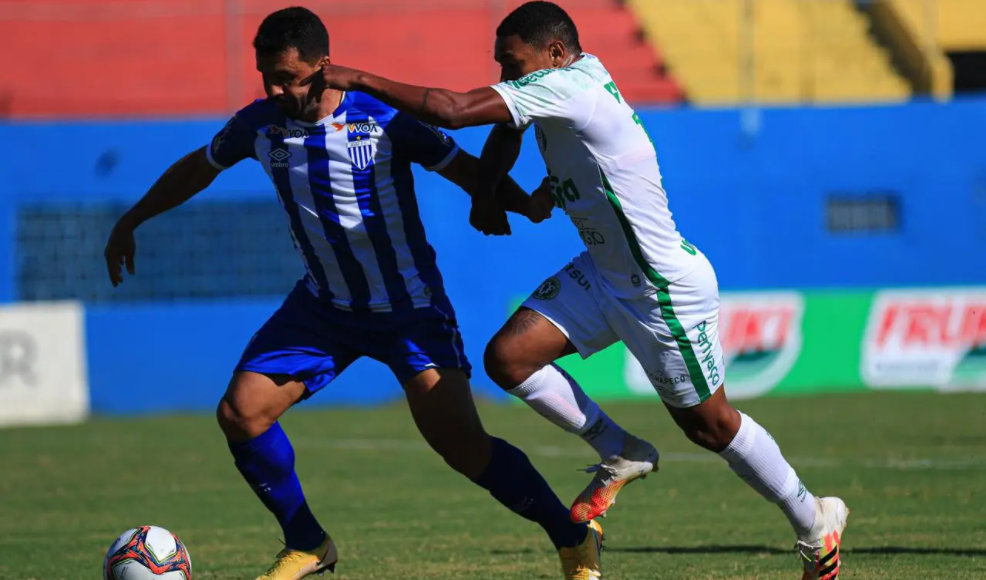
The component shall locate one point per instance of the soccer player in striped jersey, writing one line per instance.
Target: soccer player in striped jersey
(340, 163)
(638, 281)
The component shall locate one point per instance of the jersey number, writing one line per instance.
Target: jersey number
(611, 89)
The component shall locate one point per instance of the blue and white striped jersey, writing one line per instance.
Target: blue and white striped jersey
(346, 185)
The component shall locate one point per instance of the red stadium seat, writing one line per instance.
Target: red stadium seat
(182, 57)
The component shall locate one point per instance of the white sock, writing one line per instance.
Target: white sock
(756, 458)
(555, 395)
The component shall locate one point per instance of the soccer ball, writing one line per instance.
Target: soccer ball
(147, 553)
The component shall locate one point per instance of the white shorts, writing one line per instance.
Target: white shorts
(674, 333)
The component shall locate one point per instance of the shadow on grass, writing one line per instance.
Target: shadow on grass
(750, 549)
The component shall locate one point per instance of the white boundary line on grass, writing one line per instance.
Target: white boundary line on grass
(926, 464)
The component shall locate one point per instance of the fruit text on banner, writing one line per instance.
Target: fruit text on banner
(926, 338)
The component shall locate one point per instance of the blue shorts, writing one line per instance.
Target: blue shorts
(313, 342)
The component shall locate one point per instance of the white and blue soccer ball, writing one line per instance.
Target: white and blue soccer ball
(147, 553)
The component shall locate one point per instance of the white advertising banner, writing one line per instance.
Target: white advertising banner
(927, 337)
(43, 377)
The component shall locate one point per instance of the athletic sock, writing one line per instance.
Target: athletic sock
(514, 482)
(755, 457)
(267, 464)
(555, 395)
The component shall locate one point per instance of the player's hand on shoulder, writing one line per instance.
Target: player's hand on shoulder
(542, 203)
(120, 250)
(488, 216)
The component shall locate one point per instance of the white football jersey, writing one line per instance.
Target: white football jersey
(604, 172)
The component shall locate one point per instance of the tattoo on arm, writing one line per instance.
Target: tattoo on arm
(524, 320)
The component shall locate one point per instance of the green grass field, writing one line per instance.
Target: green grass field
(912, 467)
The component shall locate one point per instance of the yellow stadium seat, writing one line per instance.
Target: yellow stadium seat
(772, 51)
(955, 25)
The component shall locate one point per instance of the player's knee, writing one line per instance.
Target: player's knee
(505, 363)
(240, 422)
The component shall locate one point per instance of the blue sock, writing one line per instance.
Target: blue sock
(267, 464)
(513, 481)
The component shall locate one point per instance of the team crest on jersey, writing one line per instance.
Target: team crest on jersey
(361, 153)
(548, 289)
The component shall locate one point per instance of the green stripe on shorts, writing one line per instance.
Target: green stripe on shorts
(685, 345)
(663, 296)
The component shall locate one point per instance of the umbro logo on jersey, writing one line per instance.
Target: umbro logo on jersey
(279, 158)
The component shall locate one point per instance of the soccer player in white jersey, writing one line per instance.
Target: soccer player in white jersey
(638, 281)
(340, 163)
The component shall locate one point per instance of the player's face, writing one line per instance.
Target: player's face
(283, 75)
(518, 58)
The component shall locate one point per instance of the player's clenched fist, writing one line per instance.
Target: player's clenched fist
(541, 203)
(488, 216)
(120, 251)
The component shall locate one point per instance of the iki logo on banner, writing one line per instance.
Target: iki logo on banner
(926, 338)
(761, 340)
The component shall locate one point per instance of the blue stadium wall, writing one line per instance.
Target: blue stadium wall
(751, 195)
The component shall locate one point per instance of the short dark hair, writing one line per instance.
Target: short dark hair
(296, 27)
(538, 23)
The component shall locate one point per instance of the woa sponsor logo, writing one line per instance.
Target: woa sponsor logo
(287, 132)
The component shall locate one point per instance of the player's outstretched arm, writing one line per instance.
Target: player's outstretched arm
(187, 177)
(500, 153)
(441, 107)
(463, 171)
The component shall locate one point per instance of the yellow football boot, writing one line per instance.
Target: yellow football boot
(584, 562)
(296, 564)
